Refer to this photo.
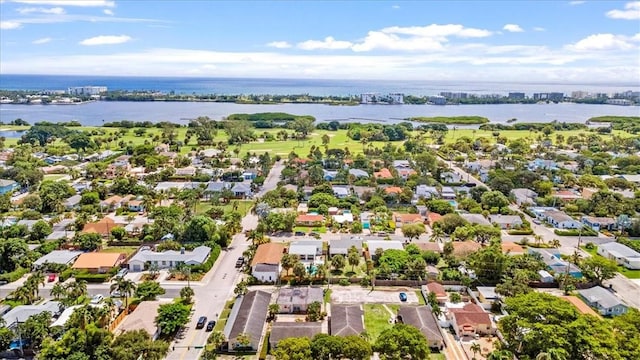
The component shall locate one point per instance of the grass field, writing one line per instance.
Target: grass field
(376, 320)
(243, 207)
(224, 315)
(420, 297)
(121, 249)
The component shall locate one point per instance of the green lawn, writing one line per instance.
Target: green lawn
(224, 315)
(438, 356)
(242, 206)
(420, 298)
(376, 320)
(121, 249)
(308, 229)
(631, 274)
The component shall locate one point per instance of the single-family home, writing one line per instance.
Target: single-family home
(384, 174)
(506, 222)
(422, 319)
(168, 259)
(343, 217)
(329, 175)
(186, 171)
(566, 195)
(346, 320)
(427, 192)
(72, 202)
(524, 196)
(286, 329)
(449, 177)
(542, 164)
(470, 320)
(342, 246)
(136, 205)
(392, 190)
(551, 258)
(98, 262)
(340, 192)
(250, 174)
(358, 174)
(433, 218)
(476, 219)
(111, 203)
(63, 257)
(102, 227)
(265, 265)
(404, 219)
(248, 317)
(511, 248)
(604, 301)
(487, 294)
(241, 190)
(7, 186)
(631, 178)
(599, 223)
(21, 313)
(429, 246)
(384, 245)
(307, 251)
(297, 299)
(27, 223)
(447, 193)
(310, 220)
(215, 187)
(560, 220)
(142, 318)
(622, 254)
(437, 289)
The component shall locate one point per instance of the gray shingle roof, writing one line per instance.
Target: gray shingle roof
(197, 256)
(58, 257)
(248, 316)
(601, 296)
(22, 312)
(346, 320)
(284, 330)
(421, 318)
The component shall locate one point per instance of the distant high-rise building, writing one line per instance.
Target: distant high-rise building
(437, 100)
(86, 90)
(556, 96)
(516, 95)
(579, 94)
(377, 98)
(454, 95)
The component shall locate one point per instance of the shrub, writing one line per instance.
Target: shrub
(14, 275)
(92, 278)
(66, 274)
(590, 246)
(520, 232)
(206, 266)
(344, 282)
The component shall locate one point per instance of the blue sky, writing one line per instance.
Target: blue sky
(554, 41)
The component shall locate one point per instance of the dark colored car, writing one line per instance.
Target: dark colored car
(210, 325)
(239, 262)
(201, 321)
(403, 297)
(299, 233)
(314, 234)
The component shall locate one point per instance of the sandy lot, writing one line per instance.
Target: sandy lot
(357, 295)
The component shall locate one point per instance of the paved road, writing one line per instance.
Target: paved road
(626, 289)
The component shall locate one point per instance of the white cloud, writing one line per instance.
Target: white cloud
(41, 41)
(328, 43)
(106, 40)
(81, 3)
(31, 10)
(8, 25)
(576, 2)
(631, 12)
(395, 7)
(598, 42)
(108, 12)
(279, 44)
(512, 28)
(538, 28)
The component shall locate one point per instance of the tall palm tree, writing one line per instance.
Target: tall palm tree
(475, 348)
(23, 294)
(77, 289)
(58, 291)
(34, 281)
(124, 287)
(436, 234)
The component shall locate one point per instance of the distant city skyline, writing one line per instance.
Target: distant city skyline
(502, 41)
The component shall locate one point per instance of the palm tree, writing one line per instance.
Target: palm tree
(77, 289)
(23, 294)
(58, 291)
(436, 234)
(500, 355)
(34, 281)
(124, 287)
(475, 348)
(555, 243)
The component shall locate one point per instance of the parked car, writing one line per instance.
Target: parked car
(3, 282)
(381, 233)
(116, 294)
(201, 322)
(51, 277)
(122, 272)
(314, 234)
(536, 221)
(240, 262)
(210, 325)
(299, 233)
(403, 297)
(97, 299)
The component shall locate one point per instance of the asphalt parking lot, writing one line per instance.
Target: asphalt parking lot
(357, 295)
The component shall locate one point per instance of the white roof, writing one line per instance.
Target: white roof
(384, 245)
(197, 256)
(21, 313)
(600, 295)
(64, 317)
(58, 257)
(488, 292)
(619, 249)
(475, 219)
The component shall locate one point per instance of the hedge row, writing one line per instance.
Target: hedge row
(14, 275)
(520, 232)
(66, 274)
(575, 232)
(93, 278)
(206, 266)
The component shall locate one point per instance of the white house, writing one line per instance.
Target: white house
(524, 196)
(426, 192)
(265, 265)
(384, 245)
(622, 254)
(307, 251)
(506, 221)
(560, 220)
(168, 259)
(603, 300)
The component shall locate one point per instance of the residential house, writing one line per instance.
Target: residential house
(296, 300)
(511, 248)
(136, 205)
(250, 174)
(21, 313)
(462, 249)
(566, 195)
(476, 219)
(186, 171)
(449, 177)
(342, 246)
(393, 190)
(599, 223)
(340, 192)
(98, 262)
(432, 218)
(403, 167)
(142, 318)
(307, 251)
(622, 254)
(560, 220)
(241, 190)
(358, 174)
(422, 319)
(476, 166)
(470, 320)
(285, 330)
(506, 222)
(72, 202)
(603, 300)
(346, 320)
(362, 191)
(7, 186)
(215, 187)
(384, 174)
(631, 178)
(168, 259)
(427, 192)
(551, 258)
(63, 257)
(302, 208)
(111, 203)
(436, 288)
(487, 294)
(265, 266)
(524, 196)
(102, 227)
(343, 217)
(60, 234)
(429, 246)
(248, 317)
(27, 223)
(404, 219)
(310, 220)
(572, 166)
(385, 245)
(542, 164)
(447, 193)
(329, 175)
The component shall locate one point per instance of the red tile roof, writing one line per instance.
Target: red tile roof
(434, 217)
(309, 218)
(437, 288)
(384, 173)
(393, 190)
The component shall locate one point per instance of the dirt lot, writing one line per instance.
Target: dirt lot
(357, 295)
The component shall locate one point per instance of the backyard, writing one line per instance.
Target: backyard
(376, 320)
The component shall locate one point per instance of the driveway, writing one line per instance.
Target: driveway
(358, 295)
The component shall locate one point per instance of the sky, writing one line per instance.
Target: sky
(502, 41)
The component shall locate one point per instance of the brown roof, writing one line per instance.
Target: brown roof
(433, 217)
(96, 260)
(408, 218)
(112, 199)
(464, 248)
(513, 248)
(284, 330)
(384, 173)
(346, 320)
(307, 218)
(102, 227)
(422, 319)
(142, 318)
(393, 190)
(469, 307)
(429, 246)
(436, 288)
(472, 318)
(580, 305)
(269, 253)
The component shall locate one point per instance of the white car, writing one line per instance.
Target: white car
(97, 299)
